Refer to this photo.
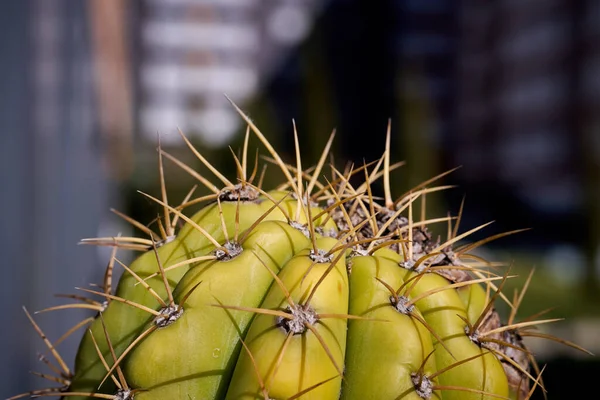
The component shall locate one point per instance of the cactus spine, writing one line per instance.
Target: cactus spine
(313, 290)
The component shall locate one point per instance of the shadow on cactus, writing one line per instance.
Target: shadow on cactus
(313, 290)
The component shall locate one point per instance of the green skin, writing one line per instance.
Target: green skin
(187, 360)
(126, 322)
(441, 311)
(305, 362)
(475, 300)
(389, 349)
(193, 356)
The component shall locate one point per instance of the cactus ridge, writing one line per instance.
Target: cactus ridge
(314, 290)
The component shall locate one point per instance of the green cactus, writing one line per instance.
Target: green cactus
(314, 290)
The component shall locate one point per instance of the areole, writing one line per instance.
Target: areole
(313, 290)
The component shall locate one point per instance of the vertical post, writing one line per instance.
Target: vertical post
(112, 80)
(16, 196)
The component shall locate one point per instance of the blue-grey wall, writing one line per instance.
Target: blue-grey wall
(53, 191)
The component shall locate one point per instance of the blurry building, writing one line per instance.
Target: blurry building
(505, 89)
(528, 82)
(192, 52)
(508, 89)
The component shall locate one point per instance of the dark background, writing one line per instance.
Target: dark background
(508, 90)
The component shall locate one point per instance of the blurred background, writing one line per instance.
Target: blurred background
(507, 89)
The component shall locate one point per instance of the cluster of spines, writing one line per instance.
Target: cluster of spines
(364, 227)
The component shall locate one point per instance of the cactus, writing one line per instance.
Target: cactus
(313, 290)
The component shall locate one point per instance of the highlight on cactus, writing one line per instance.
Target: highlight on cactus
(315, 289)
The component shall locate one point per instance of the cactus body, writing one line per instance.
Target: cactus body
(311, 291)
